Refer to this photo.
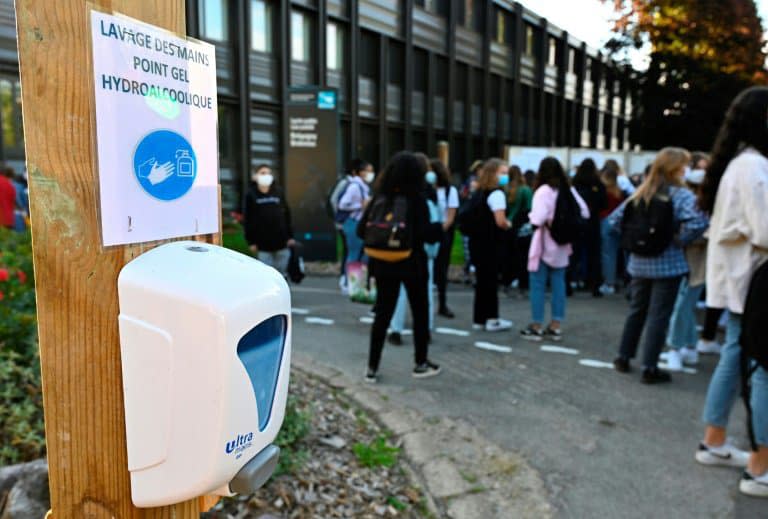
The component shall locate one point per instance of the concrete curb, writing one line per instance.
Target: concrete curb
(464, 475)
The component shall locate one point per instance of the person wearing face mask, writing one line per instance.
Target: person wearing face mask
(351, 206)
(485, 245)
(267, 220)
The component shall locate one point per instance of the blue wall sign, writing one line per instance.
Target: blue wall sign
(326, 100)
(165, 165)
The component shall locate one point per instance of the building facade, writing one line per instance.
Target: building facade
(410, 73)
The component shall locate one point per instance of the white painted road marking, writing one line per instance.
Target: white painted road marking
(299, 311)
(366, 319)
(318, 320)
(559, 349)
(592, 363)
(452, 331)
(492, 347)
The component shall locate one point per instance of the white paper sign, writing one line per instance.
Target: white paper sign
(156, 124)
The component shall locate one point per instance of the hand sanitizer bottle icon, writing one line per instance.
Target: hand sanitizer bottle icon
(185, 166)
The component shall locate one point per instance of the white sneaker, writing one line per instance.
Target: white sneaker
(689, 356)
(755, 486)
(708, 347)
(726, 455)
(497, 325)
(674, 360)
(607, 290)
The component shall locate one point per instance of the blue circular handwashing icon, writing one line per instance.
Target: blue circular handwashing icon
(165, 165)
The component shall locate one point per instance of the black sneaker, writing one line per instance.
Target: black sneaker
(655, 376)
(555, 335)
(446, 312)
(371, 377)
(426, 370)
(621, 365)
(395, 339)
(532, 334)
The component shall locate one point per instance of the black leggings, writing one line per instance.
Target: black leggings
(485, 257)
(387, 292)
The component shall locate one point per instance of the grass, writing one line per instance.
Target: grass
(457, 251)
(376, 454)
(396, 503)
(295, 427)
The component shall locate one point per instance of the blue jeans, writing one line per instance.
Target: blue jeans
(609, 250)
(682, 325)
(725, 386)
(397, 324)
(354, 244)
(278, 259)
(538, 290)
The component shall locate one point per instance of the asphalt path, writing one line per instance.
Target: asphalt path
(605, 444)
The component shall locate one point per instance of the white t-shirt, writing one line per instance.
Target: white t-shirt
(452, 201)
(497, 200)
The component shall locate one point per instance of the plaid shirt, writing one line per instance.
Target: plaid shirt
(691, 225)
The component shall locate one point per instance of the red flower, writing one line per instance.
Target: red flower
(22, 276)
(2, 296)
(4, 274)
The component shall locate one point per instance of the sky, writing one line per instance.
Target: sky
(591, 20)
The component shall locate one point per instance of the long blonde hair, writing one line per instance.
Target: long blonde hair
(486, 178)
(664, 172)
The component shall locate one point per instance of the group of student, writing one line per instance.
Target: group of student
(694, 221)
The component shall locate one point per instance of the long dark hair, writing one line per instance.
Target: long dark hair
(745, 124)
(586, 174)
(551, 173)
(404, 174)
(443, 175)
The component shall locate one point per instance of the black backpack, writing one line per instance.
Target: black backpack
(754, 343)
(567, 224)
(469, 217)
(387, 235)
(647, 229)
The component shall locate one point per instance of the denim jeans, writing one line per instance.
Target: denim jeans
(354, 244)
(651, 305)
(609, 250)
(682, 325)
(538, 290)
(398, 318)
(725, 386)
(278, 259)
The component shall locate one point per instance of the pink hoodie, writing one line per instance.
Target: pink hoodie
(543, 246)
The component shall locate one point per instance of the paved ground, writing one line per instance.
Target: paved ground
(605, 445)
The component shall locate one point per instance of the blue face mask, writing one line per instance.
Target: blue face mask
(503, 180)
(431, 177)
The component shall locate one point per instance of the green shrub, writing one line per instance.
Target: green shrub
(376, 454)
(22, 435)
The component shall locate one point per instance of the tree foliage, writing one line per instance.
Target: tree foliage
(703, 52)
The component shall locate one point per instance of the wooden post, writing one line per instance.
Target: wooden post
(76, 279)
(444, 152)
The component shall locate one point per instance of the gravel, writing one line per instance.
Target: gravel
(331, 482)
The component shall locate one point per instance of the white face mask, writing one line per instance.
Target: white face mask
(265, 180)
(369, 177)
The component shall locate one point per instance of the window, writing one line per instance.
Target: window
(572, 61)
(552, 59)
(434, 6)
(301, 37)
(504, 27)
(471, 14)
(530, 40)
(213, 20)
(261, 26)
(334, 42)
